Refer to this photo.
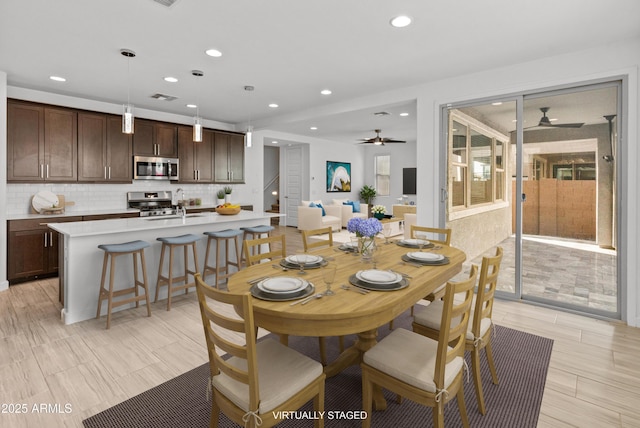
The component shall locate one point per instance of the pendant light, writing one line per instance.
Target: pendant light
(248, 135)
(197, 122)
(127, 109)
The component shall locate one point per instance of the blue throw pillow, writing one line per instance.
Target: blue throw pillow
(356, 206)
(353, 209)
(314, 205)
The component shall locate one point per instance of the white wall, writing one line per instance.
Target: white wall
(402, 156)
(602, 63)
(4, 284)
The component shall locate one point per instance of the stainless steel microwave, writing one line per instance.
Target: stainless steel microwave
(155, 168)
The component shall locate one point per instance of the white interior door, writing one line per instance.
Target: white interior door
(292, 169)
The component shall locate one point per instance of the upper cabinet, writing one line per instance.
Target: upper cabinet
(104, 152)
(196, 159)
(41, 143)
(155, 138)
(229, 158)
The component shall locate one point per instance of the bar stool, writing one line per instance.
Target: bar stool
(134, 248)
(256, 232)
(183, 241)
(227, 236)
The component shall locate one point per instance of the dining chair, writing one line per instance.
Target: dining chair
(478, 337)
(424, 370)
(310, 245)
(259, 380)
(307, 245)
(278, 251)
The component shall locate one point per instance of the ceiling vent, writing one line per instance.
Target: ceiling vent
(381, 113)
(164, 97)
(167, 3)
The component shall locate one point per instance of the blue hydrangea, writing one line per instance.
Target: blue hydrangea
(364, 227)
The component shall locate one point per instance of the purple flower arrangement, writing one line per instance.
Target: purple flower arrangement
(368, 227)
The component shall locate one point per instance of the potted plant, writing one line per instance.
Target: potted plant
(227, 193)
(220, 196)
(379, 211)
(368, 194)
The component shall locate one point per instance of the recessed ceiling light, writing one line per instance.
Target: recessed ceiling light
(192, 106)
(325, 92)
(313, 128)
(400, 21)
(213, 52)
(170, 79)
(58, 78)
(553, 119)
(273, 105)
(274, 142)
(404, 114)
(497, 103)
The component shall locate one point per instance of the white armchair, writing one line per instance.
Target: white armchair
(347, 211)
(348, 214)
(312, 218)
(409, 219)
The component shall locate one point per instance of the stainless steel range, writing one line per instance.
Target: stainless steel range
(151, 203)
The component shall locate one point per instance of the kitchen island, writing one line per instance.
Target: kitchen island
(81, 259)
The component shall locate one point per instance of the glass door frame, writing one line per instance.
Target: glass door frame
(620, 222)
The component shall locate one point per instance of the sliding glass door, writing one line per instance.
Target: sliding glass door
(536, 175)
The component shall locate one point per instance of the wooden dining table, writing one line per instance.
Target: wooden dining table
(347, 311)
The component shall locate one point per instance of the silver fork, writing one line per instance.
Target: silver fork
(359, 290)
(306, 299)
(280, 267)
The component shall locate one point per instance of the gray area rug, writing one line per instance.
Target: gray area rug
(522, 361)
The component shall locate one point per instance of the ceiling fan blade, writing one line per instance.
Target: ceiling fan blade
(388, 140)
(568, 125)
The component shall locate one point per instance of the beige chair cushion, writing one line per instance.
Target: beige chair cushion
(411, 358)
(431, 316)
(282, 373)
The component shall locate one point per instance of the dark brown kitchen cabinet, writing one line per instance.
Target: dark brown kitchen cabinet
(41, 143)
(229, 158)
(155, 138)
(32, 249)
(104, 152)
(196, 159)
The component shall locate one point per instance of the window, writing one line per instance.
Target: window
(383, 174)
(477, 157)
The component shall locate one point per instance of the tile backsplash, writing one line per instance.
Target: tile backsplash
(96, 197)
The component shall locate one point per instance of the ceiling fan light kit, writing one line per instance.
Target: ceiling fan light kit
(378, 140)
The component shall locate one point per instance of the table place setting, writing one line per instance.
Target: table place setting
(415, 243)
(282, 288)
(379, 280)
(425, 259)
(302, 262)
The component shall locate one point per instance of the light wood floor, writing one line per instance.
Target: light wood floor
(78, 370)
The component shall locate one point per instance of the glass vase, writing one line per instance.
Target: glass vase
(366, 246)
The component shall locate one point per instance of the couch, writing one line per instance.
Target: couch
(312, 218)
(347, 210)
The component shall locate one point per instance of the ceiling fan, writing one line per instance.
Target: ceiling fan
(544, 121)
(378, 140)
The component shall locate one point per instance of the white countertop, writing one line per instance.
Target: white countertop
(126, 225)
(72, 214)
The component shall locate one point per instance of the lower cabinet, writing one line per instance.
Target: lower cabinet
(32, 249)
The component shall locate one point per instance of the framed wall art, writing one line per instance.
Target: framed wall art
(338, 176)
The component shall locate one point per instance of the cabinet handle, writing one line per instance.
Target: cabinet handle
(51, 238)
(105, 172)
(46, 235)
(109, 172)
(41, 170)
(47, 171)
(198, 175)
(195, 174)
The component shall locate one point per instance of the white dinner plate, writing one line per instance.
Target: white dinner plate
(414, 241)
(43, 200)
(350, 244)
(309, 259)
(282, 284)
(425, 257)
(376, 276)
